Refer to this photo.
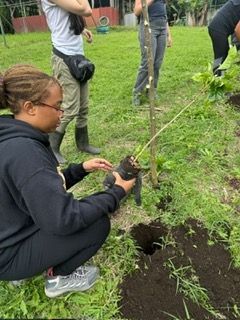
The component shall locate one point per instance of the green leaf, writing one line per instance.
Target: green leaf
(23, 307)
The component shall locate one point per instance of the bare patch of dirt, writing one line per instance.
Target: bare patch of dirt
(234, 183)
(235, 100)
(151, 293)
(237, 132)
(164, 203)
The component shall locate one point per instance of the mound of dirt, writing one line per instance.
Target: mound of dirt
(151, 292)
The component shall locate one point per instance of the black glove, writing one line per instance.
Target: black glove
(128, 169)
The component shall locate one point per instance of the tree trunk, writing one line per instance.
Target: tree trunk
(203, 18)
(198, 18)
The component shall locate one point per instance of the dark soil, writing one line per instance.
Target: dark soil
(235, 100)
(234, 183)
(150, 293)
(237, 133)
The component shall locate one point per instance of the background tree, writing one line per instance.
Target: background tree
(176, 12)
(194, 11)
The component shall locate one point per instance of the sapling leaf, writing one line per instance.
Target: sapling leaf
(23, 307)
(219, 86)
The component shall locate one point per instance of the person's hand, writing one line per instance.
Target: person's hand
(125, 184)
(88, 34)
(97, 164)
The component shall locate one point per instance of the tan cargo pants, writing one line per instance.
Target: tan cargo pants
(75, 95)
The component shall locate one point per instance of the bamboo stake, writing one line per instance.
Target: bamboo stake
(168, 124)
(148, 48)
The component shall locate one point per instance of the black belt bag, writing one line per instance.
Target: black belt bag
(79, 66)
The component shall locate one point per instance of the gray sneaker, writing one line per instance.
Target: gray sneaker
(82, 279)
(17, 283)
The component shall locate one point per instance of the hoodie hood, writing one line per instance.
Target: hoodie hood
(11, 128)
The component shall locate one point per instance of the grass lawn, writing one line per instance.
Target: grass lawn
(197, 157)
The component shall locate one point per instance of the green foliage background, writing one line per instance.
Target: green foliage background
(197, 155)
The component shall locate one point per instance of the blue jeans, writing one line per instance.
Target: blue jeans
(159, 39)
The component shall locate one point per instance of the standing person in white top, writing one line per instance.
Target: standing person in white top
(64, 18)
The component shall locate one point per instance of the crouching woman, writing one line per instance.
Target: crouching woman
(43, 227)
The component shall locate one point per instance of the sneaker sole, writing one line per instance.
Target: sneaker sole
(50, 294)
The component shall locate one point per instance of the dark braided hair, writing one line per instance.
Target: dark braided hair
(23, 82)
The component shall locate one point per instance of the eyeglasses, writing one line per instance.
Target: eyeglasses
(48, 105)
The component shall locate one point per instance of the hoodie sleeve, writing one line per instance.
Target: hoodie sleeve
(57, 212)
(73, 174)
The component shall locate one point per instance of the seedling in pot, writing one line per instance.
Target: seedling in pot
(129, 168)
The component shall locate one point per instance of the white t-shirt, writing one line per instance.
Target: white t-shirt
(63, 39)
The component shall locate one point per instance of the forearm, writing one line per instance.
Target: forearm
(169, 36)
(73, 174)
(79, 7)
(57, 212)
(168, 30)
(138, 6)
(237, 31)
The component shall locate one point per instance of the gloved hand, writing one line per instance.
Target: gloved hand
(127, 169)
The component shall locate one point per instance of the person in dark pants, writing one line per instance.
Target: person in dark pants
(224, 23)
(43, 227)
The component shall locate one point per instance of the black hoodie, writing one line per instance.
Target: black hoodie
(32, 192)
(226, 18)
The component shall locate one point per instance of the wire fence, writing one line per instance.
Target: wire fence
(16, 9)
(19, 4)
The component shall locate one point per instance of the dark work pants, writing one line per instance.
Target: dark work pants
(220, 47)
(64, 253)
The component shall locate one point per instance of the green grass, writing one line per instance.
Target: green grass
(196, 155)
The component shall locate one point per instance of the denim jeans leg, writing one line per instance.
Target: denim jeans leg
(159, 36)
(142, 76)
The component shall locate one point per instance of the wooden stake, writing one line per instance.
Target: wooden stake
(170, 122)
(150, 86)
